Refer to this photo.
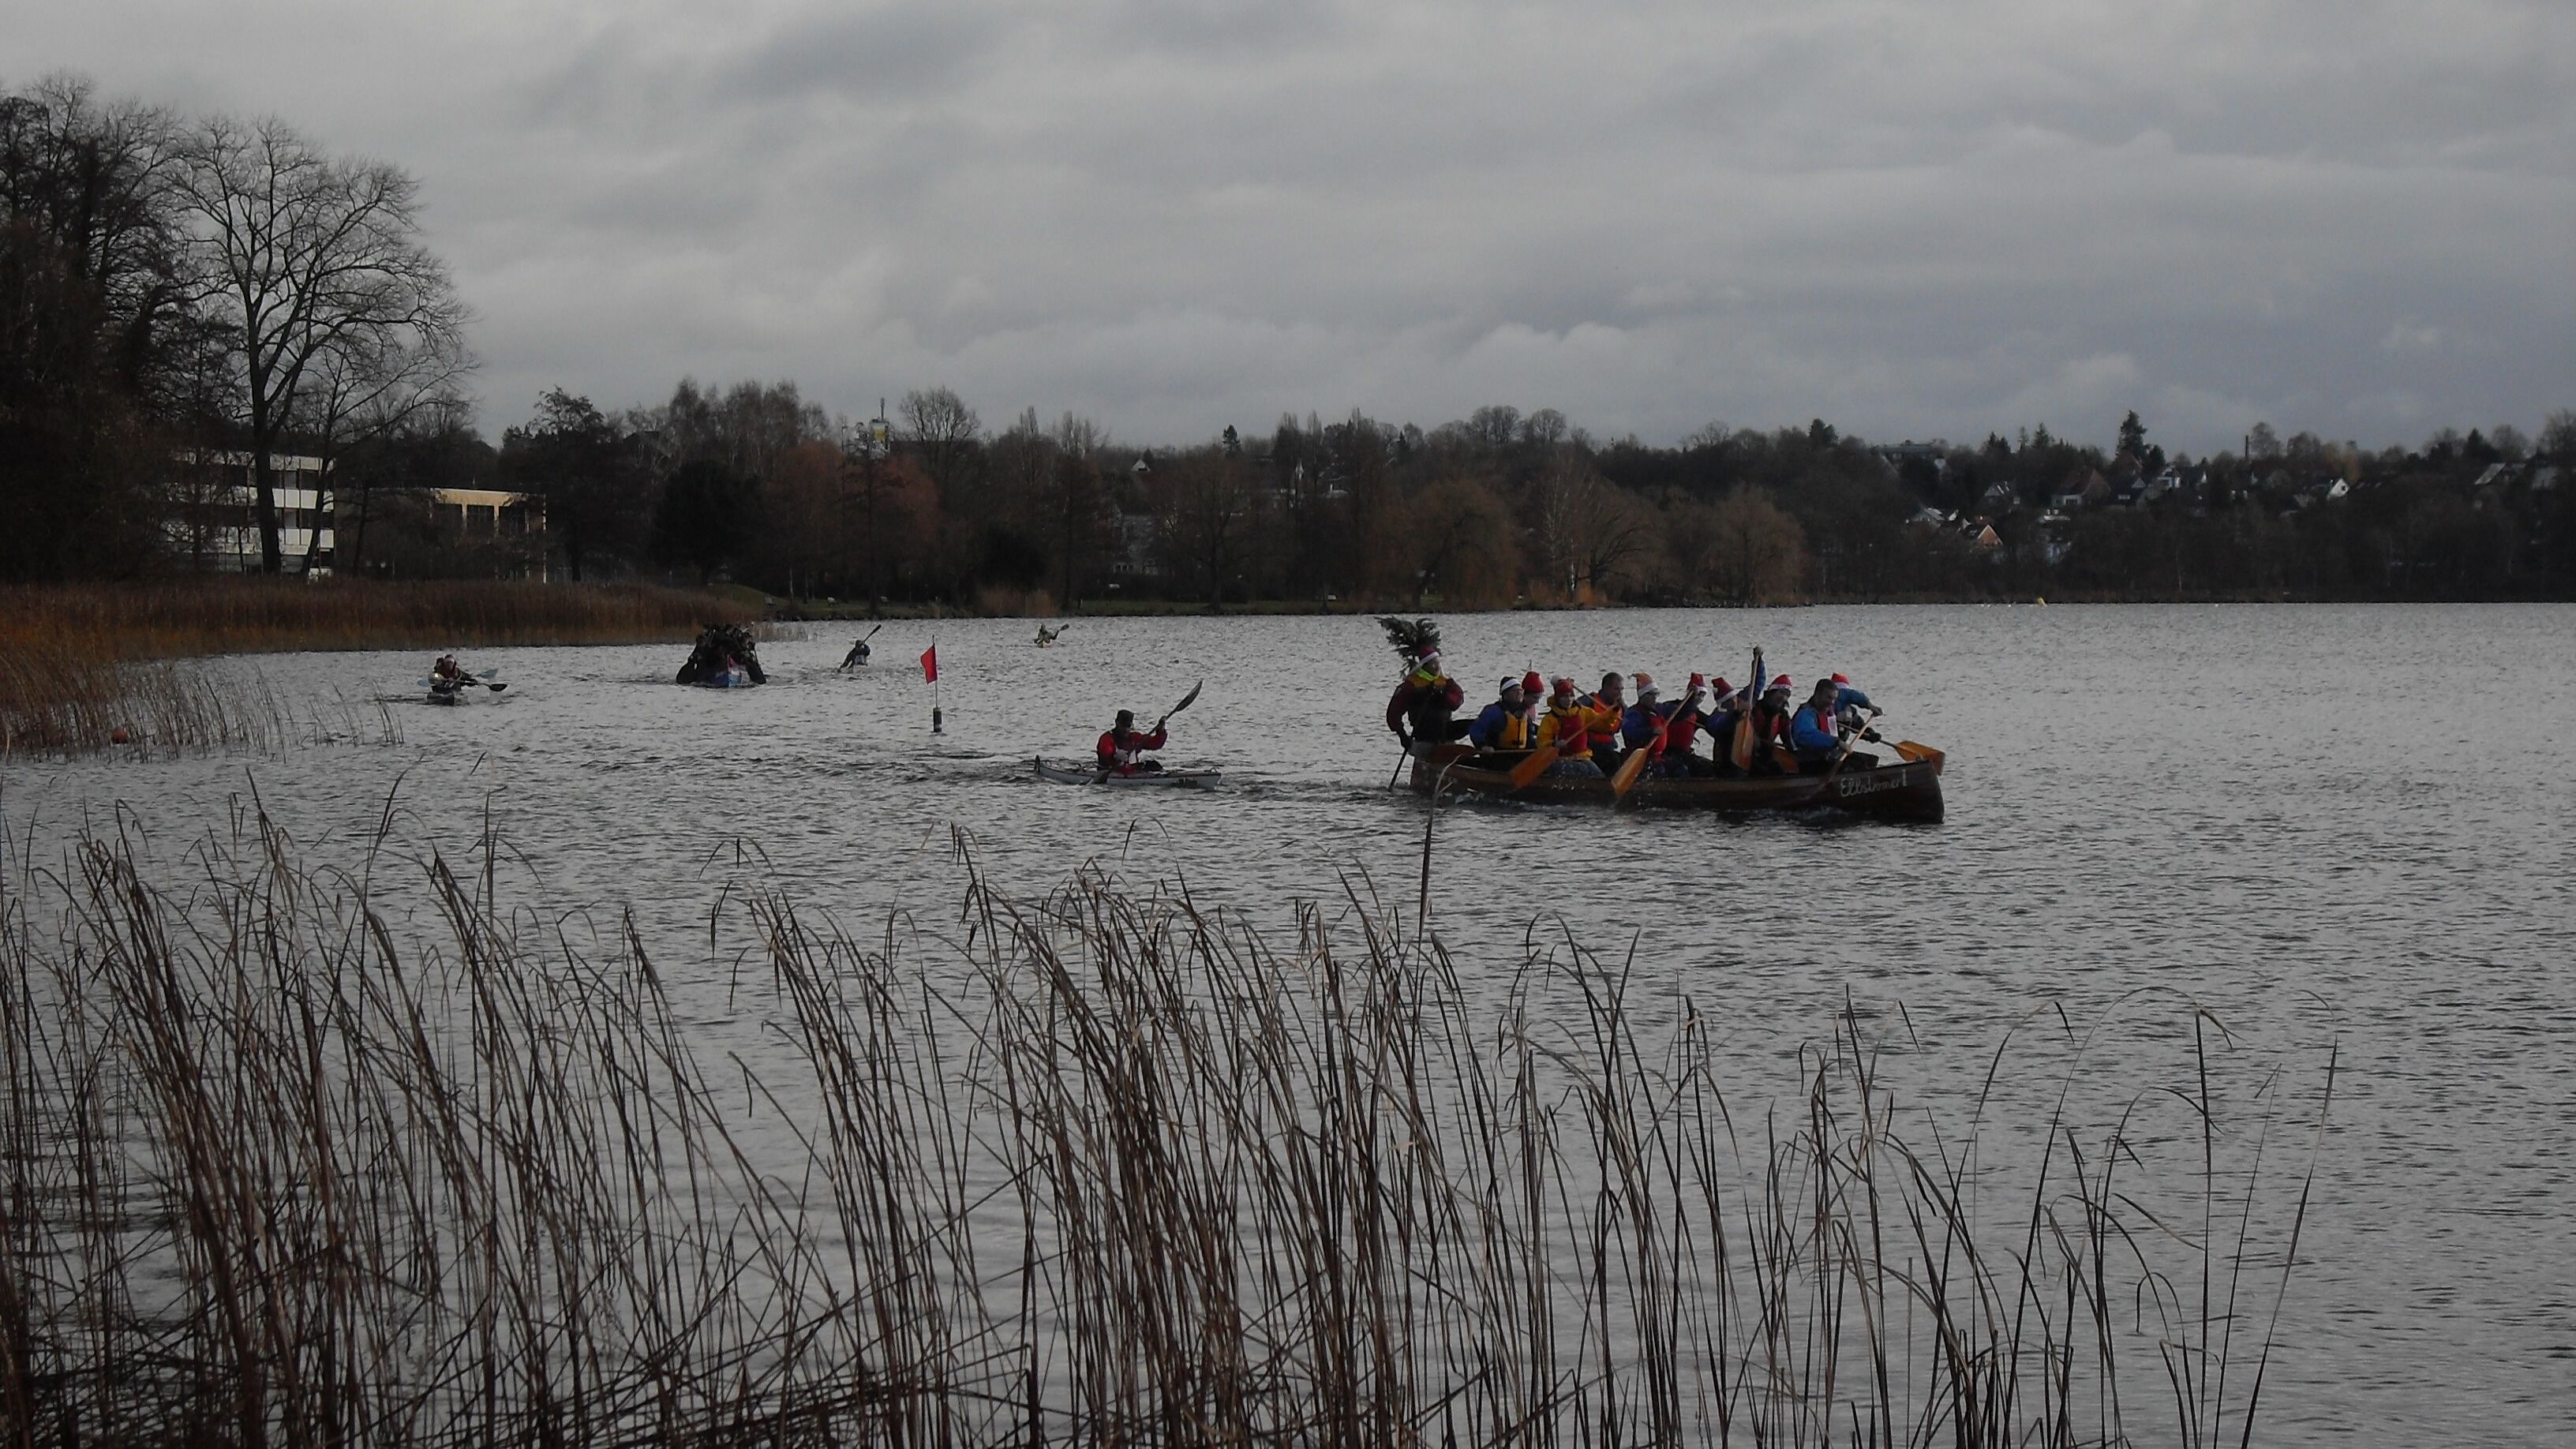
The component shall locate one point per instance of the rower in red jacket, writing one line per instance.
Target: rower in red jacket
(1121, 747)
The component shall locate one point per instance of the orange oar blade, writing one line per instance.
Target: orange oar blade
(1629, 769)
(1533, 767)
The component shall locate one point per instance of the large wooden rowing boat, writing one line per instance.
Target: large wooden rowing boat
(1908, 788)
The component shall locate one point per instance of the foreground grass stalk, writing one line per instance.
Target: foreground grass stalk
(1102, 1167)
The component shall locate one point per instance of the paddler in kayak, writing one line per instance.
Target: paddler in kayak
(1505, 724)
(449, 676)
(1567, 729)
(857, 656)
(1121, 747)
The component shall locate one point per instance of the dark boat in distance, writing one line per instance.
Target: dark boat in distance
(1907, 789)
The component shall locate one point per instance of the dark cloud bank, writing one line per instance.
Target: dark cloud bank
(2356, 219)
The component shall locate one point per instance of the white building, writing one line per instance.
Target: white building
(216, 525)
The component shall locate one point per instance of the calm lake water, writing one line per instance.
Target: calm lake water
(2326, 825)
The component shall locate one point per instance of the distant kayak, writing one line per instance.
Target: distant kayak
(1071, 774)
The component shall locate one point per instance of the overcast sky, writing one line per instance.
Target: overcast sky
(1911, 219)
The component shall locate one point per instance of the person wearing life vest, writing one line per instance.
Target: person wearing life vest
(1567, 728)
(1770, 720)
(1641, 725)
(1122, 746)
(1682, 726)
(1606, 709)
(1505, 724)
(448, 671)
(1425, 702)
(1815, 733)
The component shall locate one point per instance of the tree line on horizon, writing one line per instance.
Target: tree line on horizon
(756, 483)
(175, 287)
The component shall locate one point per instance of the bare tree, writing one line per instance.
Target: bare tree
(1760, 552)
(364, 385)
(300, 254)
(943, 432)
(1207, 532)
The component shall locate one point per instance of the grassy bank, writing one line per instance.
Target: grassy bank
(79, 664)
(1097, 1167)
(179, 618)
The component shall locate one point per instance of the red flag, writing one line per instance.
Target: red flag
(930, 665)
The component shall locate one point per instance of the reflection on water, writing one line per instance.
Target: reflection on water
(2319, 822)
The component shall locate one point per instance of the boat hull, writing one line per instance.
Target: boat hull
(1162, 779)
(1905, 790)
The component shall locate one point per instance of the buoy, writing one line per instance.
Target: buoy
(118, 736)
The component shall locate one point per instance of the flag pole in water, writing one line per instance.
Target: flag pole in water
(930, 671)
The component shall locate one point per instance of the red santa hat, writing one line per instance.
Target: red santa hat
(1781, 684)
(1842, 679)
(1532, 684)
(1562, 689)
(1643, 679)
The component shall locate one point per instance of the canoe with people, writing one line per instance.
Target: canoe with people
(725, 656)
(1557, 743)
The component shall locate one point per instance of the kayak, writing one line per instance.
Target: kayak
(1168, 779)
(1908, 788)
(442, 691)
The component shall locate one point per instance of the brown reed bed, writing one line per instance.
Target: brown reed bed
(180, 618)
(1099, 1168)
(78, 663)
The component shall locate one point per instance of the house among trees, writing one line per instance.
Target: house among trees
(213, 522)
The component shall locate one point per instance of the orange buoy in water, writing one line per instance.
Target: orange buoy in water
(118, 736)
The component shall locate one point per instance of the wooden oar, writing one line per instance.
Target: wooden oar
(1635, 764)
(1629, 769)
(1533, 767)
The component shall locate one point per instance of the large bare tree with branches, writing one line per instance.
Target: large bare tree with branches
(308, 262)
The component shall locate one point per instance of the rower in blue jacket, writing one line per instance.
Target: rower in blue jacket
(1815, 732)
(1504, 724)
(1850, 703)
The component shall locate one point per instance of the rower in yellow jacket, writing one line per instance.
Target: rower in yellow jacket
(1569, 727)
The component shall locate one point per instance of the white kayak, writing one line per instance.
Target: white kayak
(1168, 779)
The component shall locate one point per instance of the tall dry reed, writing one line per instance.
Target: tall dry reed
(1097, 1168)
(78, 663)
(177, 618)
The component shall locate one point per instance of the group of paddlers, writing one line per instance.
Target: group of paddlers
(1752, 731)
(723, 654)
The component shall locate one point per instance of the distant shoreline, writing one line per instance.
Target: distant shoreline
(200, 617)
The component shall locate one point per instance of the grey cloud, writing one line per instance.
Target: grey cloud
(1176, 214)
